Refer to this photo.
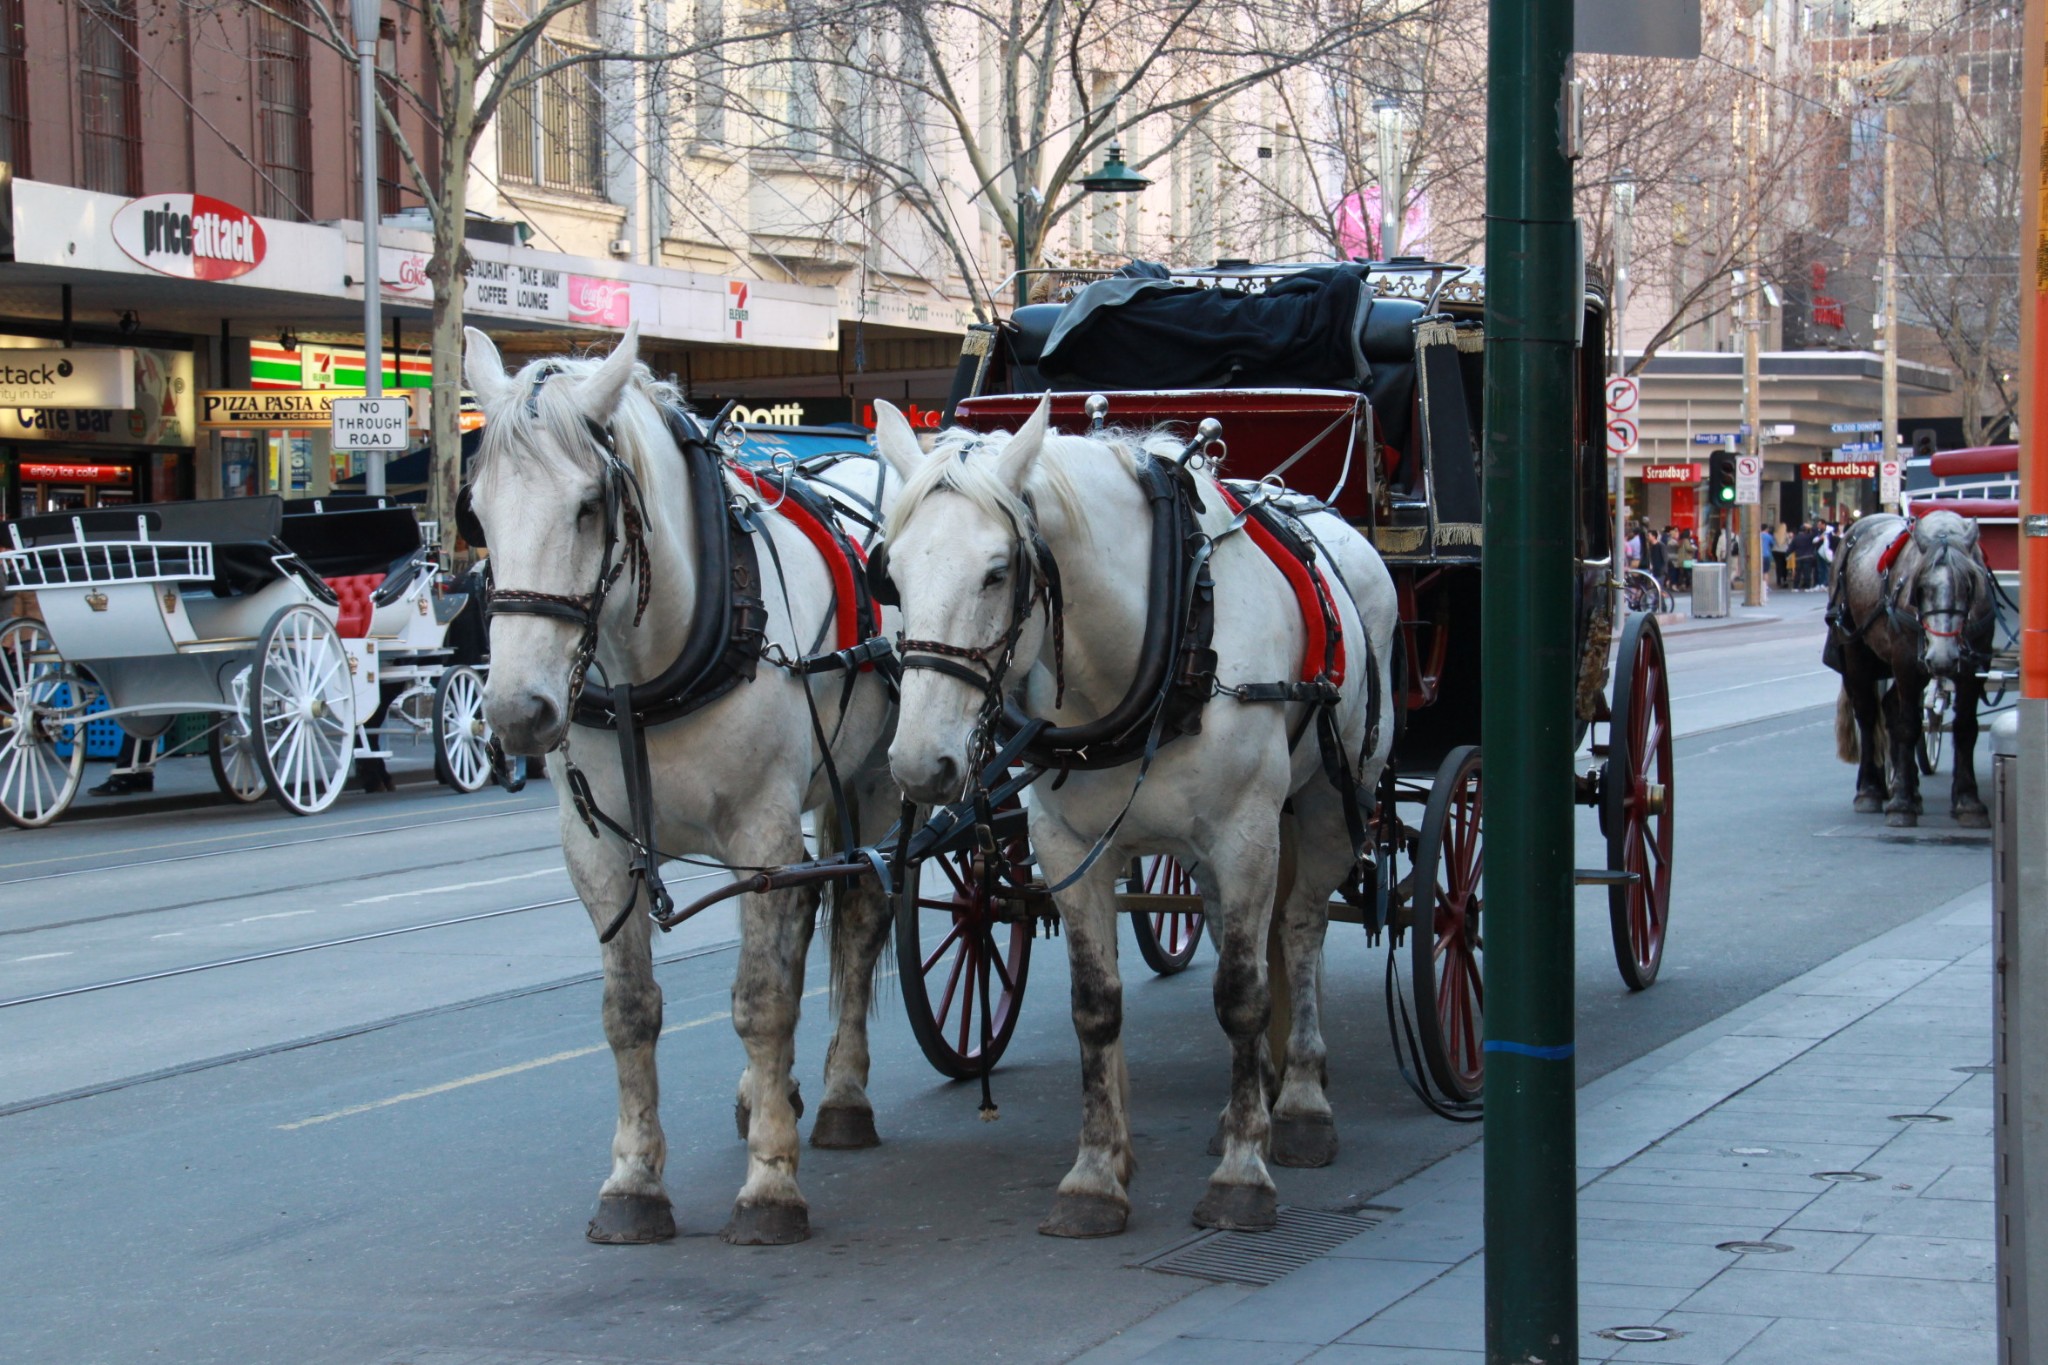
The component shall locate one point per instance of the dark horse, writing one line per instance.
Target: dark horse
(1910, 601)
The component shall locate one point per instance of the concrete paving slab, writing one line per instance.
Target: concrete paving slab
(1704, 1338)
(1791, 1341)
(1846, 1298)
(1921, 1256)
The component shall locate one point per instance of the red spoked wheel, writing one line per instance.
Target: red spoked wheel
(963, 955)
(1446, 946)
(1638, 794)
(1166, 912)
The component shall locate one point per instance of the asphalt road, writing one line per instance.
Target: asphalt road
(385, 1150)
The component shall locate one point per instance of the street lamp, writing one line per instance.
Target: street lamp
(1387, 112)
(364, 16)
(1114, 178)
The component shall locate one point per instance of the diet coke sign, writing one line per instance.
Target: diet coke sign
(404, 273)
(599, 303)
(189, 236)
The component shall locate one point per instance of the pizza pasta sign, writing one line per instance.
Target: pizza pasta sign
(189, 236)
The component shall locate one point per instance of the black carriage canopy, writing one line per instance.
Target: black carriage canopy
(1318, 327)
(333, 538)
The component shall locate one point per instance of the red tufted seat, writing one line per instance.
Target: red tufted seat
(356, 607)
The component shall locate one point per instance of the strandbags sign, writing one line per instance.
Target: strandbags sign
(189, 236)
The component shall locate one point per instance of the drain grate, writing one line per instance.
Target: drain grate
(1299, 1237)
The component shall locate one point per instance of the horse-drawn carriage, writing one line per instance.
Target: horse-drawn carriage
(309, 631)
(1391, 429)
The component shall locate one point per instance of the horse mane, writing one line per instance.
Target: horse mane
(549, 422)
(964, 462)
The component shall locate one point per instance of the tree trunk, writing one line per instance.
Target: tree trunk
(449, 271)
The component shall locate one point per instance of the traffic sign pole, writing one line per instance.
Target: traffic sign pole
(1534, 317)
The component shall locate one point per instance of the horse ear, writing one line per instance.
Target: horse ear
(482, 368)
(895, 441)
(1970, 534)
(1020, 456)
(599, 396)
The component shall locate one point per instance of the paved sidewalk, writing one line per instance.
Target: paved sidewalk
(1868, 1065)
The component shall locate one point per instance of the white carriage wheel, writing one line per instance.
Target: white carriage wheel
(302, 710)
(462, 737)
(41, 709)
(237, 770)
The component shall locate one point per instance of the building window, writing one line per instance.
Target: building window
(13, 88)
(551, 126)
(284, 107)
(109, 99)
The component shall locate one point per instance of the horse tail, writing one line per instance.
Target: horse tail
(842, 932)
(1846, 747)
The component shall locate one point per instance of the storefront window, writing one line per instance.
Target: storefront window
(13, 89)
(284, 111)
(109, 100)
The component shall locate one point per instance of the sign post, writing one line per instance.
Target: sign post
(1624, 398)
(365, 17)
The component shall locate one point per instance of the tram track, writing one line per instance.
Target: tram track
(402, 827)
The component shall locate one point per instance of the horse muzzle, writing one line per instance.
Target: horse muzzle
(930, 778)
(525, 720)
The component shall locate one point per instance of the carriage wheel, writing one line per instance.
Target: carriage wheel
(1446, 946)
(1638, 795)
(237, 769)
(942, 984)
(462, 739)
(1934, 725)
(1167, 934)
(41, 713)
(302, 710)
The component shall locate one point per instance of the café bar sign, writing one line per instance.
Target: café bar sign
(270, 407)
(1840, 469)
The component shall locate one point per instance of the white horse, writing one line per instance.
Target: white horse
(1214, 800)
(729, 781)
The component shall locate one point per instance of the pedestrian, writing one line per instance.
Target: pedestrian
(1780, 546)
(1767, 554)
(1653, 555)
(1802, 557)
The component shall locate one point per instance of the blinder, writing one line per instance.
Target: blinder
(467, 524)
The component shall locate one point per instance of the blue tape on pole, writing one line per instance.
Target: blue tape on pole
(1541, 1054)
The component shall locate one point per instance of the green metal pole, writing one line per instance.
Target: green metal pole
(1532, 338)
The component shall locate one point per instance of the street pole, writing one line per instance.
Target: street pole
(365, 14)
(1533, 313)
(1624, 233)
(1752, 341)
(1888, 436)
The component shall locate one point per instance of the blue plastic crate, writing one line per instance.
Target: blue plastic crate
(102, 737)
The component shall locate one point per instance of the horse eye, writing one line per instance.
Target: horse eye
(996, 576)
(589, 508)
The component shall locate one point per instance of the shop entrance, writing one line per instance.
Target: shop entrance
(53, 486)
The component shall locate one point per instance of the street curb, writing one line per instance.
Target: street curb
(107, 808)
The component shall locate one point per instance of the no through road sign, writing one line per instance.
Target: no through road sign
(370, 423)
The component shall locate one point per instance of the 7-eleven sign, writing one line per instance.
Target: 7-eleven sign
(735, 310)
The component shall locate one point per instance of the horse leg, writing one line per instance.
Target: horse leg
(1241, 1193)
(1304, 1129)
(1871, 788)
(860, 928)
(632, 1206)
(775, 934)
(1964, 802)
(1902, 720)
(1094, 1196)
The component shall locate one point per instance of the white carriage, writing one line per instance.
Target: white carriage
(312, 633)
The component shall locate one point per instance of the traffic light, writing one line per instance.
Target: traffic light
(1923, 442)
(1721, 479)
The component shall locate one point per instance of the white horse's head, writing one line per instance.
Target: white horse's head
(1950, 591)
(958, 551)
(539, 494)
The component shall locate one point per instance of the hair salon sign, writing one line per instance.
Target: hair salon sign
(189, 236)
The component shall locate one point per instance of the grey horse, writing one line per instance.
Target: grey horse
(1910, 601)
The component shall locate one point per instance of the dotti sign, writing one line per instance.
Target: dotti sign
(190, 236)
(270, 407)
(1839, 469)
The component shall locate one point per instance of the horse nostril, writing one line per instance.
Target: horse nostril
(543, 713)
(946, 772)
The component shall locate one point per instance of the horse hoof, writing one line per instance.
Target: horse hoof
(1973, 817)
(1086, 1215)
(1308, 1140)
(1867, 804)
(1245, 1208)
(631, 1220)
(843, 1126)
(767, 1225)
(1901, 819)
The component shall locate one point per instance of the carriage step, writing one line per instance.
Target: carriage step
(1605, 876)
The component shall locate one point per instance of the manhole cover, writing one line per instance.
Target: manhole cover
(1984, 1070)
(1299, 1237)
(1753, 1248)
(1750, 1151)
(1919, 1118)
(1848, 1177)
(1639, 1333)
